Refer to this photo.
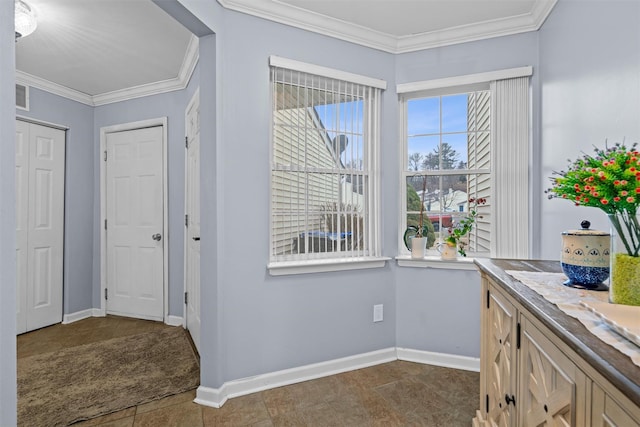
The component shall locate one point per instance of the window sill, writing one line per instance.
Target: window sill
(464, 263)
(325, 265)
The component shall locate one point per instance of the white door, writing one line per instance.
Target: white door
(134, 223)
(192, 223)
(40, 156)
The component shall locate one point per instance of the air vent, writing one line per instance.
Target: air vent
(22, 97)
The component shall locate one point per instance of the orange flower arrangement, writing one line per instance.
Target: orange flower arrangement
(610, 181)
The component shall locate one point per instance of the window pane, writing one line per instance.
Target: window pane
(454, 113)
(423, 116)
(453, 151)
(480, 109)
(446, 193)
(479, 151)
(352, 151)
(344, 116)
(423, 152)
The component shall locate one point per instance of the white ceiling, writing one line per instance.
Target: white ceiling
(100, 51)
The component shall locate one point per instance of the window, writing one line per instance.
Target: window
(467, 138)
(324, 154)
(447, 162)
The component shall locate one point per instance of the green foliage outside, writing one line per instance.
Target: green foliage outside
(413, 204)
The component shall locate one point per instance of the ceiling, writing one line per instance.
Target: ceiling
(102, 51)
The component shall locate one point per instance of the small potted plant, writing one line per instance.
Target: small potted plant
(455, 238)
(421, 236)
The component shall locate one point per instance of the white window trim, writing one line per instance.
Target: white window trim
(414, 89)
(276, 61)
(464, 80)
(325, 265)
(337, 264)
(464, 263)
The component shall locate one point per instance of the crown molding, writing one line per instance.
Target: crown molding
(178, 83)
(315, 22)
(318, 23)
(54, 88)
(483, 30)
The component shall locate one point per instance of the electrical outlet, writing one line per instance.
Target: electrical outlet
(377, 313)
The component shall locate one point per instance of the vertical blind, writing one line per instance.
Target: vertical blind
(323, 167)
(511, 178)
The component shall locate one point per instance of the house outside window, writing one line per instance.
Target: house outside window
(324, 165)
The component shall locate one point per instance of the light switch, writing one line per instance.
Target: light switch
(377, 313)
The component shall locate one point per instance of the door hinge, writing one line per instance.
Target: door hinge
(186, 141)
(518, 332)
(106, 294)
(488, 298)
(186, 220)
(105, 155)
(486, 403)
(105, 224)
(186, 297)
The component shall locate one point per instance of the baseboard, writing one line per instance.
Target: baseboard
(97, 312)
(84, 314)
(439, 359)
(174, 320)
(217, 397)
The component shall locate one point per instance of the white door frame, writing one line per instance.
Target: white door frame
(195, 98)
(160, 121)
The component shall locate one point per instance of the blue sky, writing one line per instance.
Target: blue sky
(425, 118)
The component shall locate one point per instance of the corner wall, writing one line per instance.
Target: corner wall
(590, 92)
(7, 218)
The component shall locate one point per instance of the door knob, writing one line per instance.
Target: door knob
(197, 239)
(157, 237)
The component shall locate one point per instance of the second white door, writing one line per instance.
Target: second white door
(134, 223)
(192, 223)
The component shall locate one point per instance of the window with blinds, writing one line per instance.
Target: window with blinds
(447, 162)
(323, 162)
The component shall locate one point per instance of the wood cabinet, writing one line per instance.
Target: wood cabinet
(532, 375)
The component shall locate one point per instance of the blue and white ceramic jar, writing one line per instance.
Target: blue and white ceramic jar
(585, 257)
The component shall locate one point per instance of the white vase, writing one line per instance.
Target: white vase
(418, 246)
(447, 251)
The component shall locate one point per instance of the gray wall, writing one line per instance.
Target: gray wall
(7, 218)
(78, 221)
(590, 68)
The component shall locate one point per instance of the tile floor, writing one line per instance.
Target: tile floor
(391, 394)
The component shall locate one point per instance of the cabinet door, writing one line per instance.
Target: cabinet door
(552, 388)
(499, 360)
(606, 412)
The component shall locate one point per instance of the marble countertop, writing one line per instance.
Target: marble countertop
(613, 365)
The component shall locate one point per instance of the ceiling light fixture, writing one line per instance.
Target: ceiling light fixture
(25, 19)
